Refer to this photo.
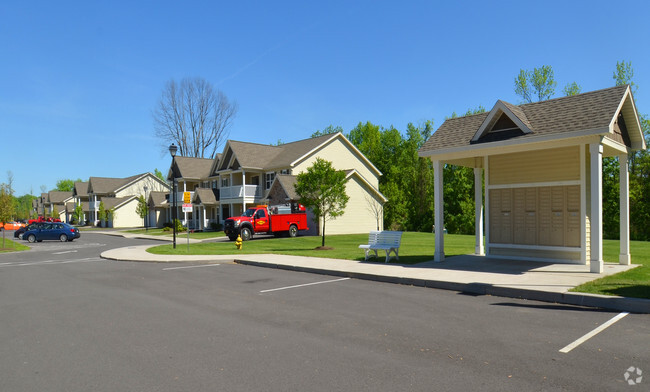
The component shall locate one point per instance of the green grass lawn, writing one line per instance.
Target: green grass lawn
(11, 246)
(632, 283)
(419, 247)
(416, 247)
(198, 235)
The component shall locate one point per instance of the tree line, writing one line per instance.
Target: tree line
(407, 179)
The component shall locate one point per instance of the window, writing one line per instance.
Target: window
(269, 179)
(214, 184)
(225, 182)
(285, 171)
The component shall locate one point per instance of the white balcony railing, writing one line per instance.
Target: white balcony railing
(240, 191)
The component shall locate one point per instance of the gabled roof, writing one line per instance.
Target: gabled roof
(81, 189)
(267, 157)
(515, 114)
(58, 197)
(157, 199)
(191, 168)
(116, 202)
(287, 183)
(592, 113)
(207, 197)
(106, 185)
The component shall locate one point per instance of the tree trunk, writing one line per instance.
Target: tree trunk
(323, 242)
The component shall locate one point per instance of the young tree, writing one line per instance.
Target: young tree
(142, 209)
(322, 189)
(101, 214)
(195, 116)
(78, 214)
(6, 207)
(539, 82)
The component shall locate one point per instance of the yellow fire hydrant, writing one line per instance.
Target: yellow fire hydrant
(238, 242)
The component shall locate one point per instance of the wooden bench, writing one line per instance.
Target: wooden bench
(383, 240)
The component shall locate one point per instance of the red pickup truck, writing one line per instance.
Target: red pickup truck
(43, 219)
(276, 220)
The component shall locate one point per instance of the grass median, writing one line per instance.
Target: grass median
(631, 283)
(415, 248)
(419, 247)
(11, 246)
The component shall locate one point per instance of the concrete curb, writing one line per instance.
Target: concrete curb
(634, 305)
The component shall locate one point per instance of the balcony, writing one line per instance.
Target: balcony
(240, 191)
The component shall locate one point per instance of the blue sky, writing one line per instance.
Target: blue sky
(79, 80)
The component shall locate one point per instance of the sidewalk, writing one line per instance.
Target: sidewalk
(470, 274)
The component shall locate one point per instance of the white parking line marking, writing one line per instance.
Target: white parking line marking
(593, 333)
(49, 262)
(64, 252)
(189, 266)
(303, 285)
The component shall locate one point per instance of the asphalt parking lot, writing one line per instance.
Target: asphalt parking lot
(72, 321)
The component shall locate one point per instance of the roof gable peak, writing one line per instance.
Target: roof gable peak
(513, 113)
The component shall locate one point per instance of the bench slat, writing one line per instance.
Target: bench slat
(388, 241)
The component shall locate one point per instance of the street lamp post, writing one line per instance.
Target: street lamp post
(172, 151)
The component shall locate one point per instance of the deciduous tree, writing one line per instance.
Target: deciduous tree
(195, 116)
(322, 189)
(539, 83)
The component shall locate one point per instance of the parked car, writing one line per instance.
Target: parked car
(19, 233)
(52, 231)
(11, 226)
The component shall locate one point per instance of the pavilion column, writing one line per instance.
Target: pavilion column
(596, 196)
(439, 221)
(624, 185)
(479, 250)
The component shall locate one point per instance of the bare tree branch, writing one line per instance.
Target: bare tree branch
(194, 116)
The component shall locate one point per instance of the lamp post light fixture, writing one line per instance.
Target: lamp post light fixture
(172, 150)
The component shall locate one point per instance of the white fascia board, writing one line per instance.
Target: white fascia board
(369, 185)
(639, 141)
(347, 142)
(508, 146)
(498, 108)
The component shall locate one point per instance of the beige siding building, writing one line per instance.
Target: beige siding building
(542, 169)
(246, 174)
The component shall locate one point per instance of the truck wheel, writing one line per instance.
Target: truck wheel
(293, 231)
(245, 234)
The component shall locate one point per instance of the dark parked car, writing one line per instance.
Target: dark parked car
(19, 233)
(52, 231)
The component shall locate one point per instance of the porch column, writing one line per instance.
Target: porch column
(243, 188)
(478, 209)
(439, 254)
(596, 196)
(624, 185)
